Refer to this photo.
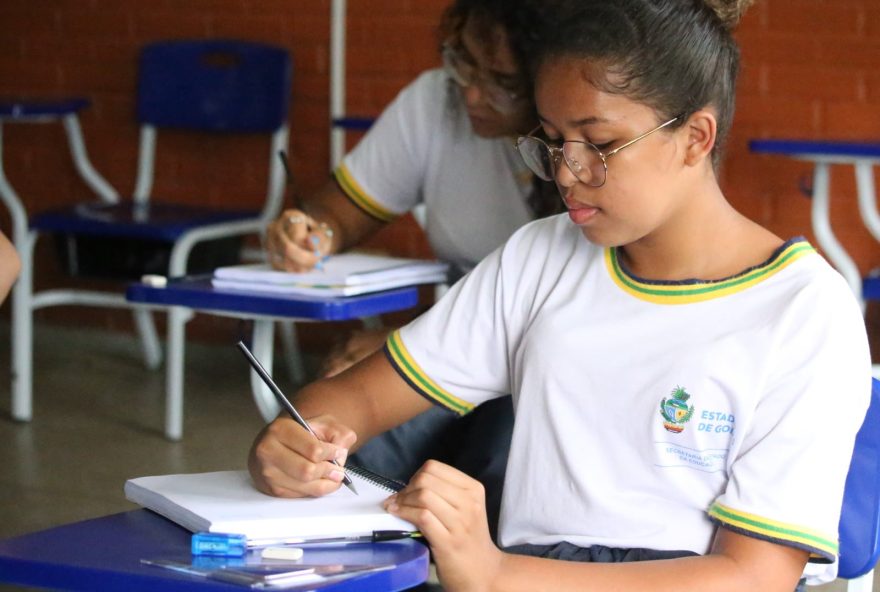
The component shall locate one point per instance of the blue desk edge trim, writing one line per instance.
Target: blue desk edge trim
(816, 147)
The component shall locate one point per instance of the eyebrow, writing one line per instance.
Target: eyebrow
(577, 122)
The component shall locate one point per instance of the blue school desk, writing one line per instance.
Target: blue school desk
(183, 297)
(105, 553)
(863, 157)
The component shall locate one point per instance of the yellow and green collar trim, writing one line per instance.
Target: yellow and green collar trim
(819, 544)
(359, 197)
(690, 291)
(404, 364)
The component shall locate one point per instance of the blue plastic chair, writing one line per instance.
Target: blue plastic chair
(206, 86)
(860, 515)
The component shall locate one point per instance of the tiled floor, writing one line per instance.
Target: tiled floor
(98, 417)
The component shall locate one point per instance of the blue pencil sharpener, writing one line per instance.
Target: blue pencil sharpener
(218, 544)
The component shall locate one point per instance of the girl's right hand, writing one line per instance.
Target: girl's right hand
(296, 242)
(287, 461)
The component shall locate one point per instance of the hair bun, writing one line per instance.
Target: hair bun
(729, 11)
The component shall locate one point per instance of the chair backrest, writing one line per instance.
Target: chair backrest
(214, 85)
(860, 515)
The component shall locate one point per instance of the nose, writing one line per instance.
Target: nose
(563, 174)
(472, 94)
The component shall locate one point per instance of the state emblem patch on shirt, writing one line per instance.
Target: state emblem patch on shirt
(675, 410)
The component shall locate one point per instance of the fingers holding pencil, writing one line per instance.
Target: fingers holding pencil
(297, 242)
(293, 463)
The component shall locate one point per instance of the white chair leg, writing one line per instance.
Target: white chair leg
(177, 319)
(146, 328)
(23, 334)
(821, 220)
(293, 360)
(262, 348)
(863, 583)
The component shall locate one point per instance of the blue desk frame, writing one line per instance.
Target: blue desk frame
(863, 157)
(105, 553)
(184, 296)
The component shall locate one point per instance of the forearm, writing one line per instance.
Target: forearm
(370, 397)
(349, 224)
(10, 265)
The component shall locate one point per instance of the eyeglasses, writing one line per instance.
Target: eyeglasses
(465, 73)
(584, 160)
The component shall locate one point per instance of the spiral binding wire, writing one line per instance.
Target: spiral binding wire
(386, 483)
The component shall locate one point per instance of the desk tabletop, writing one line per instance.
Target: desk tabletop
(817, 148)
(105, 553)
(199, 294)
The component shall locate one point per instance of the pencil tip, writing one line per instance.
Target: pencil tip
(350, 484)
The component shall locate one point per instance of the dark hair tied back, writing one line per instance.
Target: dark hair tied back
(675, 56)
(729, 11)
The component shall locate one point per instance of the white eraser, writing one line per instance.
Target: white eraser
(154, 281)
(289, 553)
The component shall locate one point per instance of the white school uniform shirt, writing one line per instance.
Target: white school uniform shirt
(423, 149)
(648, 412)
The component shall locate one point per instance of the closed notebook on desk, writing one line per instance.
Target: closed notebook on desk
(347, 274)
(227, 501)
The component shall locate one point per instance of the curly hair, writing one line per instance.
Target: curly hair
(523, 22)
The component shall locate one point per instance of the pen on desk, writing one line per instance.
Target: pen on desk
(286, 404)
(375, 537)
(315, 241)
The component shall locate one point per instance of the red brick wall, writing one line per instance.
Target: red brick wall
(810, 70)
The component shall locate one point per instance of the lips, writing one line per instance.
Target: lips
(477, 120)
(579, 213)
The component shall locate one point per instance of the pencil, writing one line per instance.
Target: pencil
(288, 406)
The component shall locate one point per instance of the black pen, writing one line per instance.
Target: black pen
(282, 400)
(375, 537)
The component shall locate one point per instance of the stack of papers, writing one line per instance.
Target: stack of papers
(347, 274)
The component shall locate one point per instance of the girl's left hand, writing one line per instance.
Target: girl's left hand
(449, 507)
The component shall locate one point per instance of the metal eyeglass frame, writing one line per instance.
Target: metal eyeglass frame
(555, 152)
(480, 78)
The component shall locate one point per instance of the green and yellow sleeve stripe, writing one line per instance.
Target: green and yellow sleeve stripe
(410, 371)
(359, 197)
(820, 545)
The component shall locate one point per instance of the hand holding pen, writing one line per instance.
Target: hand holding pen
(295, 241)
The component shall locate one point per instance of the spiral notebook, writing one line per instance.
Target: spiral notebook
(227, 501)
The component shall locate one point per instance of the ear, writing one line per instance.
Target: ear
(699, 130)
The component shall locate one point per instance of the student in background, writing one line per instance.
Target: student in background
(447, 141)
(672, 363)
(10, 265)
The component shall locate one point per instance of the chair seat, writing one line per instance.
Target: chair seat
(152, 220)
